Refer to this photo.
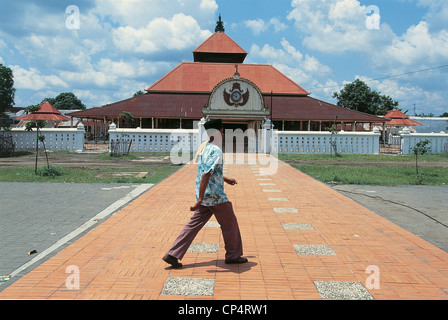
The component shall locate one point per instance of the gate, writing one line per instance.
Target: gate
(7, 145)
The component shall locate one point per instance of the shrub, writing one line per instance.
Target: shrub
(50, 171)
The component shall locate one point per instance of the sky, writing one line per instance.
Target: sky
(106, 50)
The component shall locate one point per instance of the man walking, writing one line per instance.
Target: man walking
(210, 199)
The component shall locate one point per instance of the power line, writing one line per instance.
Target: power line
(411, 72)
(391, 76)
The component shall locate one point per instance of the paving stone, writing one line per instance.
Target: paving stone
(313, 249)
(188, 287)
(203, 247)
(299, 226)
(212, 224)
(278, 199)
(286, 210)
(342, 290)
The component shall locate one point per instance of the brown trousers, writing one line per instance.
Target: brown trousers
(229, 226)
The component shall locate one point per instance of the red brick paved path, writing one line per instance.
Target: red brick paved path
(121, 258)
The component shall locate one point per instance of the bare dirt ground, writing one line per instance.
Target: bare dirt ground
(80, 160)
(92, 160)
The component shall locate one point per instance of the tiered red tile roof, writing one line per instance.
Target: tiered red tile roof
(184, 91)
(398, 118)
(197, 77)
(46, 112)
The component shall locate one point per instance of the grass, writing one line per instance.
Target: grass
(376, 175)
(125, 174)
(91, 175)
(341, 172)
(363, 157)
(370, 174)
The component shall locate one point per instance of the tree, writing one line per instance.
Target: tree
(38, 124)
(138, 93)
(385, 104)
(425, 115)
(420, 148)
(333, 132)
(7, 90)
(127, 117)
(66, 101)
(357, 95)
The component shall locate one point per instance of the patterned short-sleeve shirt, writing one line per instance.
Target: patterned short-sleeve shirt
(211, 160)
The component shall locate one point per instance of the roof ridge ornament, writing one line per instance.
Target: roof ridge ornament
(237, 74)
(219, 25)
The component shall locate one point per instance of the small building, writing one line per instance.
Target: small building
(219, 84)
(46, 112)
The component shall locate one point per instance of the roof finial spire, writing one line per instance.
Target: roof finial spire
(220, 25)
(237, 74)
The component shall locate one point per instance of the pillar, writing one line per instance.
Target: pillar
(79, 144)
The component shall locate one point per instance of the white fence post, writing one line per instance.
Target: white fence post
(405, 135)
(201, 134)
(79, 140)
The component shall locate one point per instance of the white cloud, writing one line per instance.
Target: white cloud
(208, 5)
(117, 68)
(86, 60)
(416, 46)
(437, 13)
(179, 33)
(298, 75)
(131, 69)
(293, 52)
(32, 79)
(257, 26)
(312, 64)
(336, 26)
(408, 94)
(277, 24)
(339, 27)
(137, 13)
(305, 70)
(288, 55)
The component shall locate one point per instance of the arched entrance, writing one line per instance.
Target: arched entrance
(240, 105)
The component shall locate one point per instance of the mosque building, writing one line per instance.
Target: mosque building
(218, 84)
